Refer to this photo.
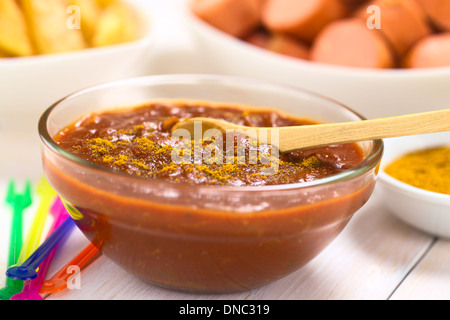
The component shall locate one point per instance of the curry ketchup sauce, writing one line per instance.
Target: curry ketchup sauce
(189, 228)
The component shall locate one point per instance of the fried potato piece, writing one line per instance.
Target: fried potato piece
(90, 14)
(3, 54)
(105, 3)
(47, 20)
(13, 30)
(118, 23)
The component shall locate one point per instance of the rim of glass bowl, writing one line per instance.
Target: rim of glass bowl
(369, 162)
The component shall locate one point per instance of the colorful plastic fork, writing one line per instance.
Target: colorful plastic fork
(19, 202)
(34, 235)
(27, 270)
(59, 280)
(31, 288)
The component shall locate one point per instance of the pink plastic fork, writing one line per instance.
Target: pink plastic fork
(31, 288)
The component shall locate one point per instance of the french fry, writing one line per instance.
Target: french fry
(3, 54)
(30, 27)
(90, 14)
(105, 3)
(118, 23)
(14, 38)
(47, 21)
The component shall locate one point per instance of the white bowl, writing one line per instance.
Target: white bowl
(30, 84)
(373, 93)
(425, 210)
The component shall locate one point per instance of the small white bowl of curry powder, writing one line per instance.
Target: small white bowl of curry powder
(415, 181)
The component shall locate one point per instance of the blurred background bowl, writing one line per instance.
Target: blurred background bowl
(425, 210)
(371, 92)
(30, 84)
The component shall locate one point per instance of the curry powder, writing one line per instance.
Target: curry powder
(427, 169)
(106, 150)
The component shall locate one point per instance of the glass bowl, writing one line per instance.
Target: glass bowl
(210, 239)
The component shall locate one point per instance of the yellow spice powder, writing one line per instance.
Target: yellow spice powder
(427, 169)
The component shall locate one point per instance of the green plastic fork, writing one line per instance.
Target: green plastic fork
(19, 202)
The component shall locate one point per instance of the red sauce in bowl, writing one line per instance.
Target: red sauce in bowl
(138, 141)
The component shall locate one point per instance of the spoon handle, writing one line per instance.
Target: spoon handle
(325, 134)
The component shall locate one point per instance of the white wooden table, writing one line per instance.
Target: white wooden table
(375, 257)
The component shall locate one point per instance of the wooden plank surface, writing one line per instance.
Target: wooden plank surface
(367, 261)
(430, 279)
(376, 256)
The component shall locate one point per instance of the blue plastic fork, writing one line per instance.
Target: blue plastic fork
(31, 288)
(27, 270)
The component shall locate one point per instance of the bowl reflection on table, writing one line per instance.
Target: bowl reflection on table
(204, 238)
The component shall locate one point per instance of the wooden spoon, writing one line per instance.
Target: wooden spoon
(297, 137)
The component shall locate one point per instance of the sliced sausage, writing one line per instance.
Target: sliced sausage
(349, 42)
(303, 19)
(354, 4)
(431, 52)
(235, 17)
(288, 46)
(402, 22)
(279, 43)
(438, 12)
(258, 38)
